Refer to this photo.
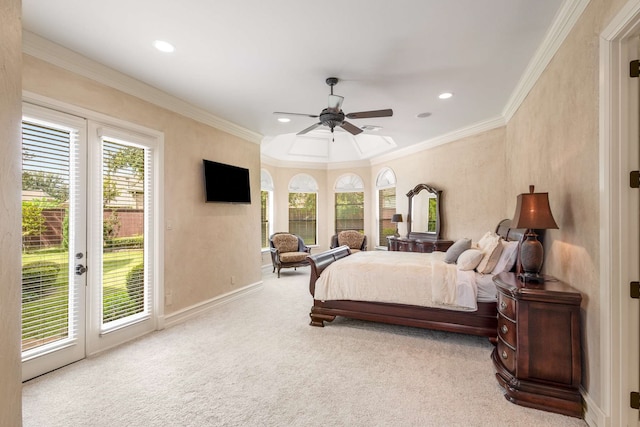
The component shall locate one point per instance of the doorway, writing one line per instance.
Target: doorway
(89, 251)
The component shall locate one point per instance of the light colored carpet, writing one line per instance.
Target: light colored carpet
(256, 361)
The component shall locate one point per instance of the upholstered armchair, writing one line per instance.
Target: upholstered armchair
(352, 238)
(288, 250)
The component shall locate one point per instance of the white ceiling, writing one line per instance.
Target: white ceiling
(242, 60)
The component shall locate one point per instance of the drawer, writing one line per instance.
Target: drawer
(507, 331)
(405, 246)
(423, 247)
(507, 356)
(507, 306)
(442, 245)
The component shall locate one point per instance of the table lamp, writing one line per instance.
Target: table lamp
(533, 213)
(396, 218)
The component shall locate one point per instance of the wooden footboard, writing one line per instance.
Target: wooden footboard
(319, 262)
(482, 322)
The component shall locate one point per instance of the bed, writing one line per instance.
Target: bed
(451, 316)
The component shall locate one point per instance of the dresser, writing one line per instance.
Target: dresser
(537, 356)
(412, 244)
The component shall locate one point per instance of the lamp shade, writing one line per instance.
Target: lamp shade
(396, 218)
(533, 211)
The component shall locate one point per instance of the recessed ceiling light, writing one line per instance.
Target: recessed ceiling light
(163, 46)
(445, 95)
(372, 128)
(284, 119)
(423, 115)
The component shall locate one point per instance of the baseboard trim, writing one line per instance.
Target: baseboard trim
(593, 415)
(197, 309)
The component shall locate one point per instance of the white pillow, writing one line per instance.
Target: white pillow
(491, 247)
(469, 259)
(508, 257)
(456, 249)
(484, 240)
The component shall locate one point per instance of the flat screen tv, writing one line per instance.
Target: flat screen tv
(226, 183)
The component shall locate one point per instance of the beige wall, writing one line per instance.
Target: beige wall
(281, 178)
(552, 143)
(470, 172)
(556, 132)
(369, 200)
(326, 180)
(471, 175)
(200, 260)
(10, 243)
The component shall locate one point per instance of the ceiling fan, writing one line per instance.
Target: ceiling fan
(333, 115)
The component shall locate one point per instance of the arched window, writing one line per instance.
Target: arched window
(303, 207)
(266, 206)
(349, 203)
(386, 189)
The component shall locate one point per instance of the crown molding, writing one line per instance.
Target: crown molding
(278, 163)
(266, 160)
(456, 135)
(565, 19)
(69, 60)
(349, 165)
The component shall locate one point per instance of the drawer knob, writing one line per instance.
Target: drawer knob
(504, 329)
(505, 356)
(503, 305)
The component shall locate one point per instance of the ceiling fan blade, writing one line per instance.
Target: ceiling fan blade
(370, 114)
(335, 102)
(313, 116)
(354, 130)
(309, 129)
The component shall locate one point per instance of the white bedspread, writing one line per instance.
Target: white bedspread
(398, 277)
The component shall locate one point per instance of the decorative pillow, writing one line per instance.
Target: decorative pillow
(285, 242)
(491, 246)
(456, 249)
(488, 237)
(508, 257)
(351, 238)
(469, 259)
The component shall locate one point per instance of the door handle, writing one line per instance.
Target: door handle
(80, 269)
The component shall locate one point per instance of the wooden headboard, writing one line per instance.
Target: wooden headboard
(507, 233)
(510, 234)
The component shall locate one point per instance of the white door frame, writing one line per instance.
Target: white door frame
(93, 346)
(619, 223)
(51, 356)
(98, 339)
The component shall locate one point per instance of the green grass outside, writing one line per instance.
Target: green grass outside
(39, 307)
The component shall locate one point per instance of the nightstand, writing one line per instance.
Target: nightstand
(537, 356)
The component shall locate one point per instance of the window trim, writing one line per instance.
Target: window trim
(266, 184)
(304, 183)
(388, 175)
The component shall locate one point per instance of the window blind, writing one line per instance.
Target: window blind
(50, 168)
(126, 214)
(302, 216)
(349, 211)
(386, 209)
(264, 217)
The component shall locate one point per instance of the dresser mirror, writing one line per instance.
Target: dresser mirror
(423, 220)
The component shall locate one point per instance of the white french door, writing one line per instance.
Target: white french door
(89, 258)
(53, 240)
(122, 249)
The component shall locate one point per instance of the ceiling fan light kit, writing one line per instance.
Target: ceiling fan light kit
(333, 116)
